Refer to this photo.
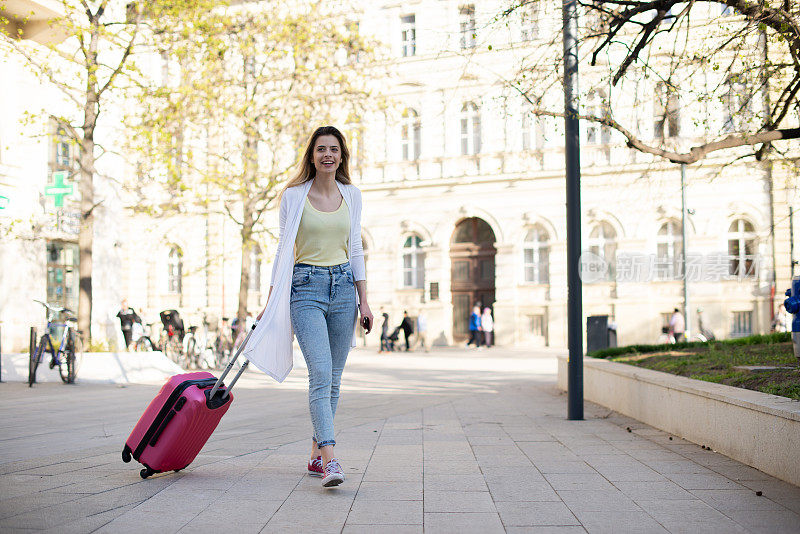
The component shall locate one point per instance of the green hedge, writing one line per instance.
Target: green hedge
(759, 339)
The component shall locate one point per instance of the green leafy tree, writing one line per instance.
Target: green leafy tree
(222, 126)
(87, 65)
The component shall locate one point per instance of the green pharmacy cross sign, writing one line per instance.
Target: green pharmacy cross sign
(60, 188)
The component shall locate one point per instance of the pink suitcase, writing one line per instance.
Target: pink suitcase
(180, 419)
(176, 424)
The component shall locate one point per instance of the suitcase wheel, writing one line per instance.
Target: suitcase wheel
(126, 455)
(146, 472)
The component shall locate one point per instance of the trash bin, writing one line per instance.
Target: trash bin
(600, 334)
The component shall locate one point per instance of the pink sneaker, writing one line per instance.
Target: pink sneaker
(333, 474)
(315, 467)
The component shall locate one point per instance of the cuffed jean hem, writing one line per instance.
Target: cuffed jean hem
(324, 443)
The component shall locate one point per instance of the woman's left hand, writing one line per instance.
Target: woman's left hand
(366, 315)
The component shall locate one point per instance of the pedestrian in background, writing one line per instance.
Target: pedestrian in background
(319, 278)
(475, 327)
(127, 317)
(422, 331)
(782, 321)
(385, 344)
(407, 326)
(677, 326)
(487, 326)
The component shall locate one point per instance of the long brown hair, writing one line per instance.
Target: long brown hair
(307, 171)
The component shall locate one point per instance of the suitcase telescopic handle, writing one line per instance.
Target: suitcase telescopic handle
(230, 366)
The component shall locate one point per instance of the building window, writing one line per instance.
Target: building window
(603, 244)
(742, 249)
(527, 121)
(592, 128)
(62, 274)
(536, 260)
(597, 106)
(669, 251)
(408, 35)
(413, 263)
(742, 324)
(175, 270)
(254, 284)
(434, 290)
(63, 159)
(532, 128)
(604, 113)
(466, 19)
(411, 134)
(737, 104)
(666, 111)
(530, 21)
(536, 325)
(470, 129)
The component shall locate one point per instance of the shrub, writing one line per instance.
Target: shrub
(758, 339)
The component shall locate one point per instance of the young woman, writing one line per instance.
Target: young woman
(318, 287)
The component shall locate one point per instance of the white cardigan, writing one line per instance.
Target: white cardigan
(270, 344)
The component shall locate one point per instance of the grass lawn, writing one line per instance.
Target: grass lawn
(715, 362)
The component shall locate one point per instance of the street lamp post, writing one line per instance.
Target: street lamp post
(686, 309)
(573, 186)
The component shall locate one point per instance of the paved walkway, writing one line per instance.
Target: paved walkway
(452, 441)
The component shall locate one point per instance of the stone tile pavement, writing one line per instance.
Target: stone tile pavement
(451, 441)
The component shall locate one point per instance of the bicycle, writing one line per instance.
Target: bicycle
(69, 354)
(222, 346)
(144, 342)
(172, 337)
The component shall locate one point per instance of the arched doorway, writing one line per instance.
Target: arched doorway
(472, 255)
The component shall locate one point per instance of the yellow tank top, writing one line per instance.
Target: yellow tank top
(322, 236)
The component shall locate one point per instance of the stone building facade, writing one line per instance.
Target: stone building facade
(464, 202)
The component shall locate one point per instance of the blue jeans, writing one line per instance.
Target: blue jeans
(323, 311)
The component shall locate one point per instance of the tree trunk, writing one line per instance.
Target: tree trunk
(250, 157)
(244, 279)
(86, 236)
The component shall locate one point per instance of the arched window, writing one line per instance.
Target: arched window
(470, 129)
(603, 243)
(669, 253)
(742, 249)
(536, 251)
(254, 283)
(411, 134)
(175, 270)
(413, 263)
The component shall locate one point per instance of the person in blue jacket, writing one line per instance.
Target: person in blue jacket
(475, 327)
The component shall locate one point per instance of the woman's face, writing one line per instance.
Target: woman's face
(327, 154)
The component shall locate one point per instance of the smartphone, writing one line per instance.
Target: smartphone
(367, 324)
